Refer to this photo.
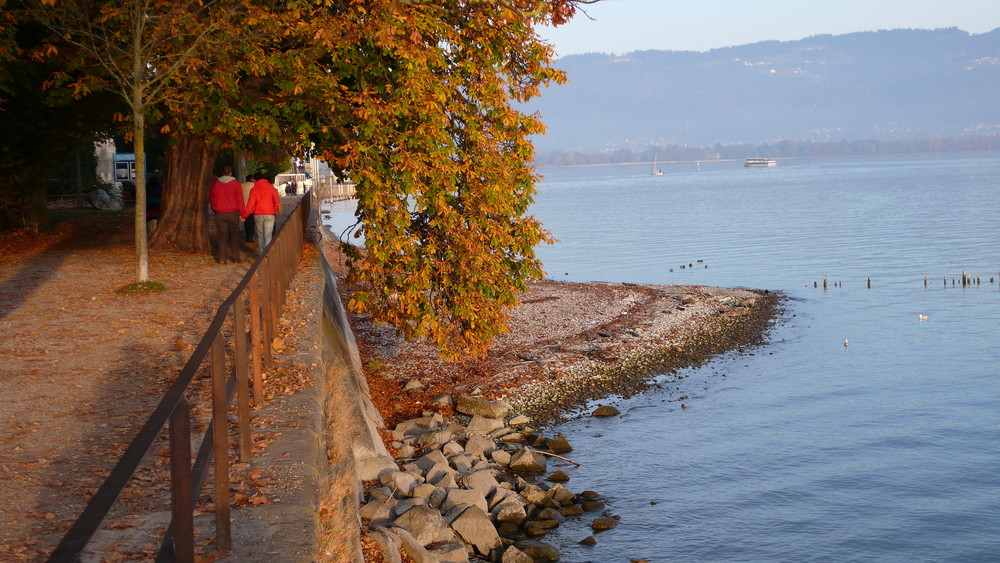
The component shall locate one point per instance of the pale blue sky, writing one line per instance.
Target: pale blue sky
(621, 26)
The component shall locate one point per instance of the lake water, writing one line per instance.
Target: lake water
(801, 450)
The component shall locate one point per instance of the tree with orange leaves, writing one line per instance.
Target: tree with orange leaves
(414, 98)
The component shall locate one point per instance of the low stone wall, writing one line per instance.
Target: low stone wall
(325, 440)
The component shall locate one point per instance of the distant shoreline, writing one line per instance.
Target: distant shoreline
(778, 158)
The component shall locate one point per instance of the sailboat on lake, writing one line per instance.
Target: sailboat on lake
(656, 171)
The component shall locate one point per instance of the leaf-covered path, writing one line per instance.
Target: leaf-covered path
(82, 366)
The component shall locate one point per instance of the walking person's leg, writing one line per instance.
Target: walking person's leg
(258, 221)
(268, 230)
(221, 237)
(227, 226)
(234, 237)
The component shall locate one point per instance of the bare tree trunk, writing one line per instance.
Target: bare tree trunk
(141, 244)
(183, 222)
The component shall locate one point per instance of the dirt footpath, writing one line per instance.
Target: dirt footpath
(82, 366)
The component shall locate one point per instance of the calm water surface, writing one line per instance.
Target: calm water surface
(801, 450)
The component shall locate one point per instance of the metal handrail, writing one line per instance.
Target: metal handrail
(262, 290)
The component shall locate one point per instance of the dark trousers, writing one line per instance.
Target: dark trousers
(248, 228)
(227, 225)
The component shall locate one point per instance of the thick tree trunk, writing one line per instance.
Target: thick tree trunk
(183, 222)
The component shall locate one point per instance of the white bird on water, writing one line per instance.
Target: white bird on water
(846, 343)
(923, 317)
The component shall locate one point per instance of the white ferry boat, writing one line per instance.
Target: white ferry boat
(760, 163)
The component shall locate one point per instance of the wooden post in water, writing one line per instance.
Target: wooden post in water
(925, 282)
(869, 283)
(824, 282)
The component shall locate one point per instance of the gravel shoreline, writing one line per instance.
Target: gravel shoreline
(569, 344)
(467, 435)
(736, 319)
(472, 480)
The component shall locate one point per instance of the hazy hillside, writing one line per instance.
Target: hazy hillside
(886, 84)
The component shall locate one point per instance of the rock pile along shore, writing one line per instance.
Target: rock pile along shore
(474, 486)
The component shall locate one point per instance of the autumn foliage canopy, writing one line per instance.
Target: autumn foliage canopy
(414, 100)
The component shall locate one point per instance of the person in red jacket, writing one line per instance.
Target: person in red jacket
(264, 203)
(226, 198)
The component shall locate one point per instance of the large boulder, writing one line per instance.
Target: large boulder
(412, 547)
(515, 555)
(389, 545)
(474, 406)
(469, 497)
(527, 461)
(406, 505)
(432, 458)
(371, 468)
(550, 514)
(533, 494)
(510, 510)
(401, 483)
(482, 481)
(434, 439)
(539, 550)
(481, 425)
(438, 472)
(475, 528)
(378, 510)
(501, 457)
(452, 448)
(425, 524)
(424, 491)
(463, 462)
(605, 411)
(479, 446)
(601, 524)
(450, 552)
(415, 425)
(560, 494)
(559, 445)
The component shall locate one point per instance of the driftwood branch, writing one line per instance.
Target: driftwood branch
(553, 455)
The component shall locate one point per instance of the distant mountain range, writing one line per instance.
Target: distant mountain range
(898, 84)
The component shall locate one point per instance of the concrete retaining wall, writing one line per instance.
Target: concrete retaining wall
(327, 443)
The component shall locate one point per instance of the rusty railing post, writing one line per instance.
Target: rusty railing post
(267, 297)
(242, 375)
(256, 336)
(180, 482)
(220, 447)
